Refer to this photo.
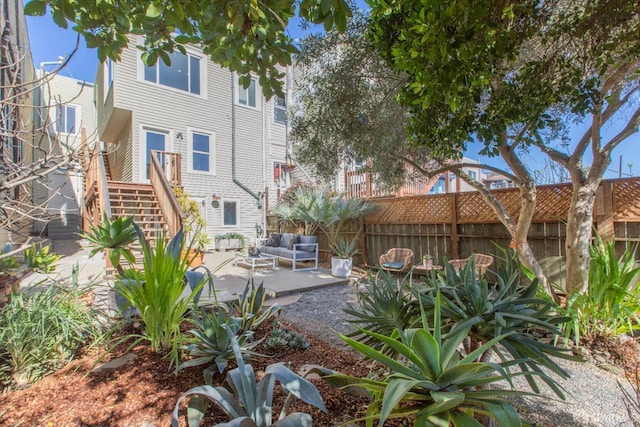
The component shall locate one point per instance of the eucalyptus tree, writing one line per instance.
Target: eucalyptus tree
(347, 109)
(244, 36)
(510, 74)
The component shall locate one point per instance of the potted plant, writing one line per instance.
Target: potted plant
(230, 240)
(196, 254)
(427, 261)
(316, 209)
(342, 259)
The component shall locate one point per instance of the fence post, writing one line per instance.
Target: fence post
(453, 200)
(363, 242)
(604, 210)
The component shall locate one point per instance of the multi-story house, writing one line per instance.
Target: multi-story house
(224, 144)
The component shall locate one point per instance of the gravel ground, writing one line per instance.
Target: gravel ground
(593, 396)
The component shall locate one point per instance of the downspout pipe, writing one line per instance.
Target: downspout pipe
(233, 145)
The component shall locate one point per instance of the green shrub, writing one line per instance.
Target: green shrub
(284, 337)
(8, 264)
(40, 260)
(250, 403)
(431, 382)
(156, 292)
(611, 306)
(41, 332)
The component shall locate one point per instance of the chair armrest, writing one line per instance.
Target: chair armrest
(295, 246)
(384, 258)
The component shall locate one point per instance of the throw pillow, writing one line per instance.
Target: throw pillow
(294, 240)
(273, 240)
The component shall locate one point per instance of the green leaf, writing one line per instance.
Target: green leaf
(35, 8)
(154, 10)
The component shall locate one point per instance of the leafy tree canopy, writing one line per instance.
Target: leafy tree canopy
(246, 36)
(487, 67)
(346, 107)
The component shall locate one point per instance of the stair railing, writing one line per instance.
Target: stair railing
(96, 194)
(162, 187)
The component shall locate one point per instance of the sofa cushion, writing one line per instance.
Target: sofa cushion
(308, 239)
(284, 241)
(274, 240)
(294, 241)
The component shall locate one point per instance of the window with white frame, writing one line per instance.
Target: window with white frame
(248, 96)
(229, 212)
(279, 175)
(108, 76)
(279, 110)
(183, 74)
(66, 119)
(201, 152)
(473, 174)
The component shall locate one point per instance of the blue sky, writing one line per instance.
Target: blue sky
(48, 42)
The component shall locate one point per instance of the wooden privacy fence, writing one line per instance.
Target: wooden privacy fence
(456, 225)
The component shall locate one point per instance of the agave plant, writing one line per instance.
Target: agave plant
(249, 402)
(504, 308)
(251, 309)
(115, 236)
(382, 308)
(436, 386)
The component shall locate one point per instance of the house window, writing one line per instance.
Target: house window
(473, 174)
(230, 213)
(279, 110)
(66, 119)
(279, 175)
(200, 152)
(247, 96)
(183, 73)
(108, 76)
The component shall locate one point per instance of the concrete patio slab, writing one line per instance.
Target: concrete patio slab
(229, 280)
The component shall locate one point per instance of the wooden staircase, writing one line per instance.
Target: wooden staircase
(140, 202)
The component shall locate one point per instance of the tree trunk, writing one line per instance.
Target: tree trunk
(579, 224)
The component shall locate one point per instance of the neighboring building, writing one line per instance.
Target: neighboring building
(227, 143)
(359, 184)
(68, 118)
(16, 123)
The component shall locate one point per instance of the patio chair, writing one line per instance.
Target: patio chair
(396, 259)
(481, 261)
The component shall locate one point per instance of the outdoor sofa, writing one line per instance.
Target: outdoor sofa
(292, 247)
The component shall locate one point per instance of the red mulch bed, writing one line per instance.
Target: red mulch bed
(145, 390)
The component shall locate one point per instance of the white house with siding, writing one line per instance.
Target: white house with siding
(67, 116)
(231, 141)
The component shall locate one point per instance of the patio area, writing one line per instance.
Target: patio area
(229, 280)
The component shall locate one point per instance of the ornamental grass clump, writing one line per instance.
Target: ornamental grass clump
(42, 331)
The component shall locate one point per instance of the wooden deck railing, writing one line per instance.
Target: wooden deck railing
(96, 196)
(170, 164)
(358, 184)
(164, 171)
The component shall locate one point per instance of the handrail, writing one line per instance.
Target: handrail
(96, 196)
(167, 201)
(103, 188)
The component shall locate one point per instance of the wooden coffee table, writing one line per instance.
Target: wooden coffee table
(260, 261)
